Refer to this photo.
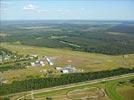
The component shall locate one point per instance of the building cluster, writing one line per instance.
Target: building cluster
(43, 61)
(50, 60)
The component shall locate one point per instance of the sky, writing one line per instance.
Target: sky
(67, 9)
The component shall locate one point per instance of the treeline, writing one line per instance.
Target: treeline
(33, 84)
(131, 81)
(14, 66)
(5, 51)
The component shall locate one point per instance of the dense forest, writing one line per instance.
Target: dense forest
(32, 84)
(108, 37)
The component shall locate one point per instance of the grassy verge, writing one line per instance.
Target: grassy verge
(111, 89)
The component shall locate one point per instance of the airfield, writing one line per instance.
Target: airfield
(86, 62)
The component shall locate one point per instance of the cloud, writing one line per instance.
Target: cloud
(35, 9)
(83, 9)
(62, 11)
(38, 10)
(31, 7)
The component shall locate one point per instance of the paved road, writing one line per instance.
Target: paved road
(77, 84)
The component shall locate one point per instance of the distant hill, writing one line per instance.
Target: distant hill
(107, 37)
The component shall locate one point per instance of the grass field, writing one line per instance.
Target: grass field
(111, 90)
(81, 60)
(117, 92)
(126, 91)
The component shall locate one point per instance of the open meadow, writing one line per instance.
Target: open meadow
(85, 62)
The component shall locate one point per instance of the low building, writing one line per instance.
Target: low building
(65, 71)
(68, 69)
(42, 61)
(37, 63)
(33, 56)
(58, 68)
(49, 60)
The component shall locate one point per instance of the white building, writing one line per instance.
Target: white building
(68, 69)
(65, 71)
(42, 61)
(58, 68)
(49, 60)
(37, 63)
